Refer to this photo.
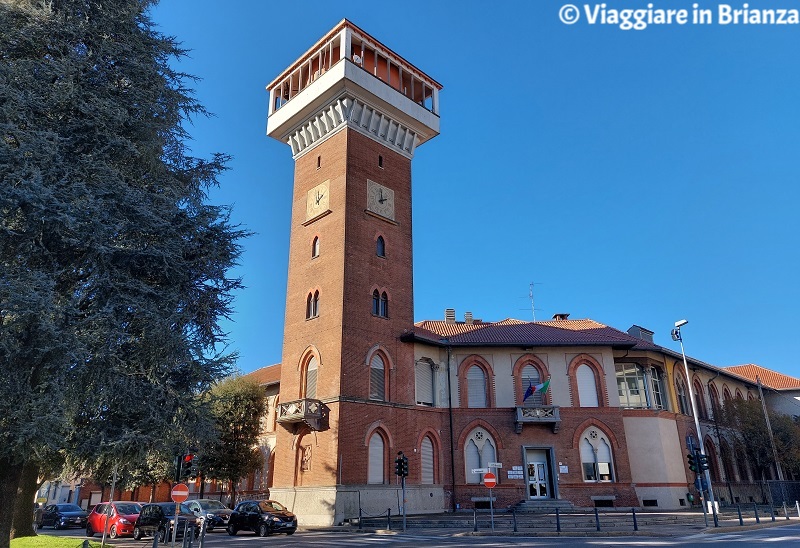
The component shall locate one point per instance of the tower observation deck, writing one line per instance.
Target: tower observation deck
(349, 79)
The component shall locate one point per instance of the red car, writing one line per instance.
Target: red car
(121, 517)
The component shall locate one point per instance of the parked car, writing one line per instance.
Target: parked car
(264, 517)
(62, 516)
(121, 517)
(212, 511)
(159, 519)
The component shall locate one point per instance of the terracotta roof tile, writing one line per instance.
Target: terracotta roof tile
(270, 374)
(769, 378)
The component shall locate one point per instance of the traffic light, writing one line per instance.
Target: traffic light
(186, 466)
(194, 467)
(702, 461)
(398, 466)
(405, 466)
(692, 458)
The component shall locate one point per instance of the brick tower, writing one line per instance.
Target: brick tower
(353, 113)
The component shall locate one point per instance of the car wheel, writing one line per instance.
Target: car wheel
(89, 532)
(263, 530)
(137, 533)
(56, 525)
(113, 532)
(231, 529)
(290, 532)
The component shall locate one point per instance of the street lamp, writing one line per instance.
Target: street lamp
(676, 336)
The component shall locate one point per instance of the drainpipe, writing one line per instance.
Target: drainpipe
(715, 406)
(452, 445)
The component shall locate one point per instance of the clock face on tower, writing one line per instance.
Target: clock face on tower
(318, 200)
(380, 200)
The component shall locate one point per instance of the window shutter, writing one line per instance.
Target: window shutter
(424, 383)
(472, 459)
(375, 467)
(311, 379)
(426, 452)
(377, 379)
(587, 388)
(531, 377)
(476, 387)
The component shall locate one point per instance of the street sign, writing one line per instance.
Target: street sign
(479, 470)
(489, 480)
(180, 493)
(495, 465)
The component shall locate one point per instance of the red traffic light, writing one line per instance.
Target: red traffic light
(188, 458)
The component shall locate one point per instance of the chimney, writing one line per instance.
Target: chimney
(560, 316)
(450, 315)
(641, 333)
(468, 318)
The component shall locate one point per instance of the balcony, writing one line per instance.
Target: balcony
(537, 414)
(310, 412)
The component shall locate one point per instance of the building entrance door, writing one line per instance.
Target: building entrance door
(538, 480)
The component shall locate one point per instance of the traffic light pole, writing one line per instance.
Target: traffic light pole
(699, 434)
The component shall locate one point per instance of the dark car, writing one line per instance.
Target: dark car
(212, 511)
(264, 517)
(121, 517)
(62, 516)
(159, 518)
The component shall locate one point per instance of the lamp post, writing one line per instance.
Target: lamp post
(676, 336)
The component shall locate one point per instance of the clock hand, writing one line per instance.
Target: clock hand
(319, 197)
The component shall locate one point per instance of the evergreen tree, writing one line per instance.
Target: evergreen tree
(113, 266)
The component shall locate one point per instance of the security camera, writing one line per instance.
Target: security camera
(681, 323)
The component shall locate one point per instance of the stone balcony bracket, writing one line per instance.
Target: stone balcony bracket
(308, 411)
(537, 414)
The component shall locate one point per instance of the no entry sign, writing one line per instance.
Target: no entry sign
(180, 493)
(489, 480)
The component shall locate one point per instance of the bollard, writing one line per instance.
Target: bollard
(155, 541)
(514, 515)
(85, 543)
(772, 511)
(785, 511)
(558, 520)
(389, 519)
(755, 509)
(797, 505)
(475, 519)
(596, 518)
(359, 518)
(739, 510)
(635, 525)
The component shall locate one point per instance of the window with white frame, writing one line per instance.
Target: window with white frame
(476, 387)
(587, 386)
(377, 378)
(427, 477)
(631, 385)
(377, 459)
(683, 398)
(479, 451)
(659, 388)
(311, 378)
(597, 462)
(423, 380)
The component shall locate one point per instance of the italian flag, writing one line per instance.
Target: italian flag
(542, 387)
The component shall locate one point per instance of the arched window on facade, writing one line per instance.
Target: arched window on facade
(312, 305)
(726, 396)
(596, 457)
(315, 247)
(479, 451)
(659, 388)
(380, 247)
(587, 386)
(311, 378)
(530, 377)
(728, 464)
(383, 310)
(424, 381)
(376, 467)
(376, 302)
(713, 464)
(713, 396)
(476, 387)
(427, 462)
(377, 378)
(700, 400)
(682, 394)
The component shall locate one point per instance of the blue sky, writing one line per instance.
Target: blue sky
(637, 177)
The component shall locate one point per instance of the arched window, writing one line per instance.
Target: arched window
(423, 381)
(699, 400)
(377, 459)
(315, 247)
(376, 302)
(683, 398)
(476, 387)
(377, 378)
(380, 247)
(587, 386)
(713, 465)
(727, 461)
(530, 377)
(479, 451)
(726, 395)
(427, 469)
(713, 396)
(312, 305)
(659, 389)
(596, 458)
(383, 310)
(311, 378)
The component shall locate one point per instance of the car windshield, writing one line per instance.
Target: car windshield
(271, 506)
(212, 505)
(69, 508)
(129, 508)
(169, 509)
